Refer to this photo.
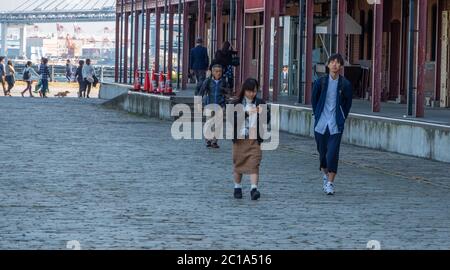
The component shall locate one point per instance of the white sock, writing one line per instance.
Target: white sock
(236, 185)
(254, 186)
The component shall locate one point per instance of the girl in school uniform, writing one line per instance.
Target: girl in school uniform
(247, 154)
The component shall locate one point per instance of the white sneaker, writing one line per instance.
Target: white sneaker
(325, 181)
(329, 189)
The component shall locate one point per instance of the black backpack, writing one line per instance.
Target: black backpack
(26, 75)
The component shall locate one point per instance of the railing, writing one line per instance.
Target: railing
(58, 72)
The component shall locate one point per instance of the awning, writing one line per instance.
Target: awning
(351, 26)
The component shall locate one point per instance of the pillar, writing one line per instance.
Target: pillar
(125, 49)
(276, 49)
(23, 41)
(377, 56)
(341, 27)
(170, 52)
(266, 54)
(421, 57)
(136, 44)
(238, 45)
(157, 37)
(147, 40)
(219, 26)
(309, 47)
(185, 45)
(118, 56)
(201, 20)
(4, 30)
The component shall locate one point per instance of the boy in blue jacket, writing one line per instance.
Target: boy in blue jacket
(331, 101)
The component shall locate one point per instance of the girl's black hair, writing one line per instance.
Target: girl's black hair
(29, 63)
(249, 84)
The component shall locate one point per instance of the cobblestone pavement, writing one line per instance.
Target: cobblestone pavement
(73, 170)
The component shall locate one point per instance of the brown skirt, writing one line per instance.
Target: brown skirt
(247, 156)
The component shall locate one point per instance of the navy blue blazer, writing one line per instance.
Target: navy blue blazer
(199, 59)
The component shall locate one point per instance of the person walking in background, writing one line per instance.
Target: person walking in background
(224, 57)
(213, 92)
(247, 154)
(2, 73)
(28, 72)
(80, 80)
(10, 77)
(285, 80)
(44, 72)
(331, 101)
(69, 71)
(198, 63)
(88, 73)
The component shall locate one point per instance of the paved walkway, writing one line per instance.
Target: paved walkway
(73, 170)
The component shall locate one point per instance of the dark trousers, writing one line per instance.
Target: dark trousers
(200, 75)
(328, 148)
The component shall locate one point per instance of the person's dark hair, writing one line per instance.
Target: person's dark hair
(216, 66)
(29, 64)
(249, 85)
(88, 61)
(2, 58)
(81, 62)
(226, 46)
(45, 61)
(10, 63)
(336, 57)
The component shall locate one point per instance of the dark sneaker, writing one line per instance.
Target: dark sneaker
(254, 194)
(215, 145)
(238, 193)
(208, 144)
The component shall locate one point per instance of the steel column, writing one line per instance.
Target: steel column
(341, 27)
(238, 45)
(219, 26)
(213, 27)
(118, 56)
(377, 56)
(170, 52)
(125, 49)
(165, 37)
(121, 53)
(266, 54)
(309, 48)
(421, 58)
(333, 26)
(147, 39)
(185, 45)
(157, 37)
(411, 56)
(201, 19)
(301, 53)
(130, 79)
(136, 43)
(276, 49)
(179, 45)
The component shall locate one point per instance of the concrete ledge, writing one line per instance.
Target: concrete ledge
(407, 137)
(112, 90)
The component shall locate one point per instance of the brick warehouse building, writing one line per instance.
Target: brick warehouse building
(386, 59)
